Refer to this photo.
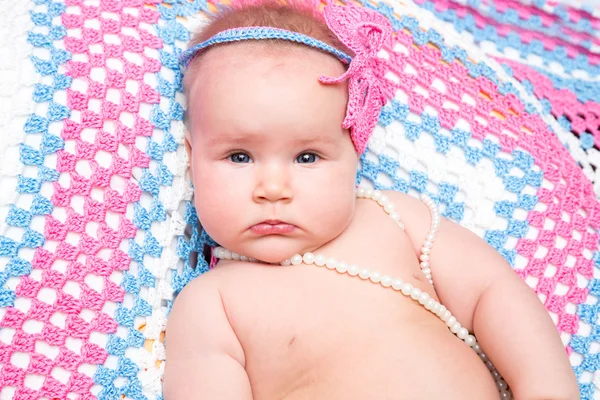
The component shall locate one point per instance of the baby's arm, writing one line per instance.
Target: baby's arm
(488, 298)
(205, 360)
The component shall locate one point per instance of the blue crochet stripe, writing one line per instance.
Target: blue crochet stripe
(37, 124)
(261, 33)
(513, 40)
(588, 313)
(172, 31)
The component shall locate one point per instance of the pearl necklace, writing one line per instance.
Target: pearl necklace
(389, 282)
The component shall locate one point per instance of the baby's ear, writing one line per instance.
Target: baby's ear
(188, 149)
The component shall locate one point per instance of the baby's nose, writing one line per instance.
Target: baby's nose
(273, 185)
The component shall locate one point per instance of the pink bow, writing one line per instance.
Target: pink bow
(364, 32)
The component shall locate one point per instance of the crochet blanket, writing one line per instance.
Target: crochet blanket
(495, 116)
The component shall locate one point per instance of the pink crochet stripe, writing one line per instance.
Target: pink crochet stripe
(585, 117)
(86, 246)
(504, 117)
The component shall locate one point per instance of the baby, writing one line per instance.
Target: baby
(323, 290)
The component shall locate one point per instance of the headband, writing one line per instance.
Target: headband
(363, 31)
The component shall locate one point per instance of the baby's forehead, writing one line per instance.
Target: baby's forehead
(258, 66)
(241, 56)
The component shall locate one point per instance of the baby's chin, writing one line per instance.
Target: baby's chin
(274, 254)
(273, 257)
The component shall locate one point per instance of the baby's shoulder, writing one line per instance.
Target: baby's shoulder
(203, 289)
(412, 209)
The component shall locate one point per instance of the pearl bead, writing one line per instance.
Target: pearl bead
(244, 258)
(227, 254)
(430, 304)
(341, 267)
(375, 277)
(477, 348)
(424, 257)
(430, 236)
(442, 310)
(436, 308)
(308, 258)
(395, 216)
(427, 244)
(319, 260)
(353, 270)
(489, 365)
(462, 333)
(386, 281)
(470, 340)
(425, 250)
(450, 321)
(389, 207)
(426, 271)
(331, 263)
(502, 385)
(364, 273)
(415, 293)
(369, 193)
(376, 195)
(483, 357)
(424, 298)
(505, 395)
(286, 263)
(496, 375)
(455, 328)
(383, 200)
(446, 316)
(397, 284)
(407, 289)
(235, 256)
(360, 192)
(296, 259)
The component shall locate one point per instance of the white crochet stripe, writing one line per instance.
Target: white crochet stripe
(173, 198)
(17, 77)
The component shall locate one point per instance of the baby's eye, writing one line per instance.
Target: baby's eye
(307, 158)
(240, 158)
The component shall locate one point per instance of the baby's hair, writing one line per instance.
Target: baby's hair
(293, 15)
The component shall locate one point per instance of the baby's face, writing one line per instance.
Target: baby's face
(273, 170)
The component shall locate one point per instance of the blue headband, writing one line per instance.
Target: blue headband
(260, 33)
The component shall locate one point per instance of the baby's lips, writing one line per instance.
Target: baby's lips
(272, 228)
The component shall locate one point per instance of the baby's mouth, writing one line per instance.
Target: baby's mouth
(272, 227)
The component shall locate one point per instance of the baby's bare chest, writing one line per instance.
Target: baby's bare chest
(309, 332)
